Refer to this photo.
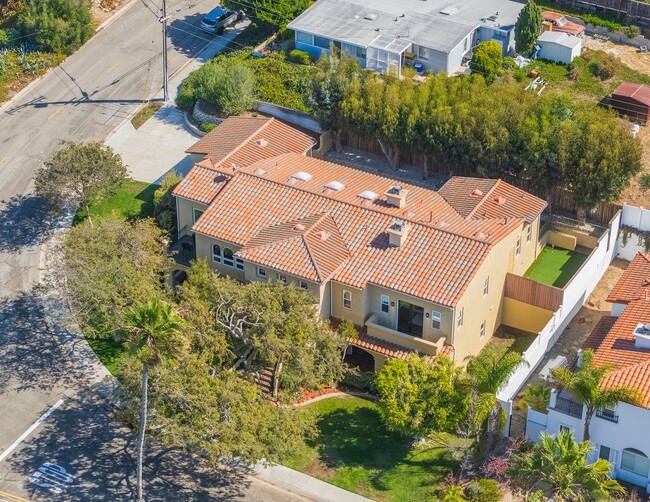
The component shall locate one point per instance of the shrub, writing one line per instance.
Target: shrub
(348, 330)
(631, 31)
(299, 57)
(207, 126)
(487, 60)
(228, 84)
(4, 38)
(644, 181)
(605, 66)
(484, 490)
(60, 26)
(363, 381)
(185, 98)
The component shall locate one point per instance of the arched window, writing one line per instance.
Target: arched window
(228, 257)
(216, 253)
(633, 460)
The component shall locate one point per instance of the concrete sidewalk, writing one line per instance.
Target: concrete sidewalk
(158, 147)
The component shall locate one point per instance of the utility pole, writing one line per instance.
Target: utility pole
(163, 20)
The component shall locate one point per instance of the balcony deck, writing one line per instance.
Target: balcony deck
(413, 343)
(183, 251)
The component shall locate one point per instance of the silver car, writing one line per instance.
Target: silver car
(218, 19)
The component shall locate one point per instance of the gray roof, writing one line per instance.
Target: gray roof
(560, 38)
(360, 22)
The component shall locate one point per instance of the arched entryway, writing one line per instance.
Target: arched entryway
(356, 357)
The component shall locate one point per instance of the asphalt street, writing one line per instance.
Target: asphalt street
(58, 438)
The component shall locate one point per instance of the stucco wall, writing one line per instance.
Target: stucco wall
(523, 316)
(561, 240)
(356, 314)
(184, 209)
(204, 250)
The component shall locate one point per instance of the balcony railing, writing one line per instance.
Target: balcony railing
(411, 342)
(607, 415)
(568, 406)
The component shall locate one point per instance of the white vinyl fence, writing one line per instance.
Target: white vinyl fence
(575, 294)
(638, 218)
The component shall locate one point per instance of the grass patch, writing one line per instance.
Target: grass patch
(145, 113)
(555, 266)
(109, 352)
(515, 340)
(356, 452)
(132, 200)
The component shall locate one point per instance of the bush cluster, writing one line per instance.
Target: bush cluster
(299, 57)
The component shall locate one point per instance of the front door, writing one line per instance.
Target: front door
(410, 319)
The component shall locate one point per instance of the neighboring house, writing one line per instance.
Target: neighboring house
(623, 340)
(386, 35)
(632, 100)
(558, 47)
(417, 270)
(554, 21)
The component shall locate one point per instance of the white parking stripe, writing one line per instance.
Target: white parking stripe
(13, 446)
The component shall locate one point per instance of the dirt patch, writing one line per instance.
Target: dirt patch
(319, 470)
(103, 9)
(639, 61)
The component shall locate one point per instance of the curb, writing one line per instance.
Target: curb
(116, 15)
(191, 126)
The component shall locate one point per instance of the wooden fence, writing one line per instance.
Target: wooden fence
(533, 293)
(559, 200)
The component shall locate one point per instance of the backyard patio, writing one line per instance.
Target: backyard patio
(555, 266)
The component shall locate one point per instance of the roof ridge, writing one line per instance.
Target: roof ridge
(311, 257)
(268, 121)
(489, 192)
(373, 210)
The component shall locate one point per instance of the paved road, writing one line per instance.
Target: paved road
(85, 98)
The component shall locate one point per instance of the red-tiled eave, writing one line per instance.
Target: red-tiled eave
(201, 184)
(383, 347)
(635, 281)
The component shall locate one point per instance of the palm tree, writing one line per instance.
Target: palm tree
(536, 396)
(586, 385)
(560, 463)
(154, 337)
(487, 372)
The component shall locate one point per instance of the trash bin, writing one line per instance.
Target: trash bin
(418, 67)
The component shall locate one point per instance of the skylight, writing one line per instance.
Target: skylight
(302, 176)
(335, 185)
(368, 195)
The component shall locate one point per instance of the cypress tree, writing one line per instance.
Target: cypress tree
(528, 27)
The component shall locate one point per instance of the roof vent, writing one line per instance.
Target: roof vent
(299, 227)
(322, 235)
(477, 193)
(642, 336)
(441, 224)
(449, 11)
(302, 176)
(398, 232)
(371, 16)
(262, 142)
(500, 201)
(368, 195)
(480, 235)
(335, 185)
(259, 171)
(396, 196)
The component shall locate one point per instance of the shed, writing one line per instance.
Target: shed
(559, 47)
(632, 100)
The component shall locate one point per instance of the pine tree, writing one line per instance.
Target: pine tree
(528, 27)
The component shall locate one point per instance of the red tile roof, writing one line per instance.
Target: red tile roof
(201, 184)
(380, 346)
(635, 281)
(567, 27)
(612, 341)
(637, 92)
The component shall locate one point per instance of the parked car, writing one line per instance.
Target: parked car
(562, 24)
(218, 19)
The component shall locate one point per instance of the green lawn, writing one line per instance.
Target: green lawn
(555, 266)
(109, 352)
(132, 200)
(356, 452)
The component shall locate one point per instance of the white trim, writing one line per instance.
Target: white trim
(345, 291)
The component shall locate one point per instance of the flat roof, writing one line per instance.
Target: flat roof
(436, 24)
(560, 38)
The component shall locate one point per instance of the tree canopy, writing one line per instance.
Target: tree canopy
(229, 85)
(487, 60)
(83, 172)
(528, 28)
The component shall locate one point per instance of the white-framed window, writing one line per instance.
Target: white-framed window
(282, 278)
(347, 299)
(565, 428)
(482, 331)
(196, 214)
(633, 460)
(239, 263)
(529, 232)
(605, 452)
(384, 301)
(228, 257)
(486, 286)
(216, 253)
(436, 320)
(303, 285)
(322, 42)
(260, 272)
(423, 53)
(304, 38)
(459, 320)
(518, 246)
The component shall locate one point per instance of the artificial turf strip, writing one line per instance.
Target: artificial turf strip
(555, 266)
(355, 451)
(132, 200)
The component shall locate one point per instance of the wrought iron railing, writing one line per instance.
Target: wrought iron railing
(607, 415)
(568, 406)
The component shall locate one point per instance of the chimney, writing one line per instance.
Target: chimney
(642, 336)
(398, 232)
(396, 196)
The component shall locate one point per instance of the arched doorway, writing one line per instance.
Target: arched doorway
(356, 357)
(635, 466)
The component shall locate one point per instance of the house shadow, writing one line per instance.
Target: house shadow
(24, 222)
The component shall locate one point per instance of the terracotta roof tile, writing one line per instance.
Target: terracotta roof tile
(635, 281)
(201, 184)
(380, 346)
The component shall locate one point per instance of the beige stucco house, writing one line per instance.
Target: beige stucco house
(417, 270)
